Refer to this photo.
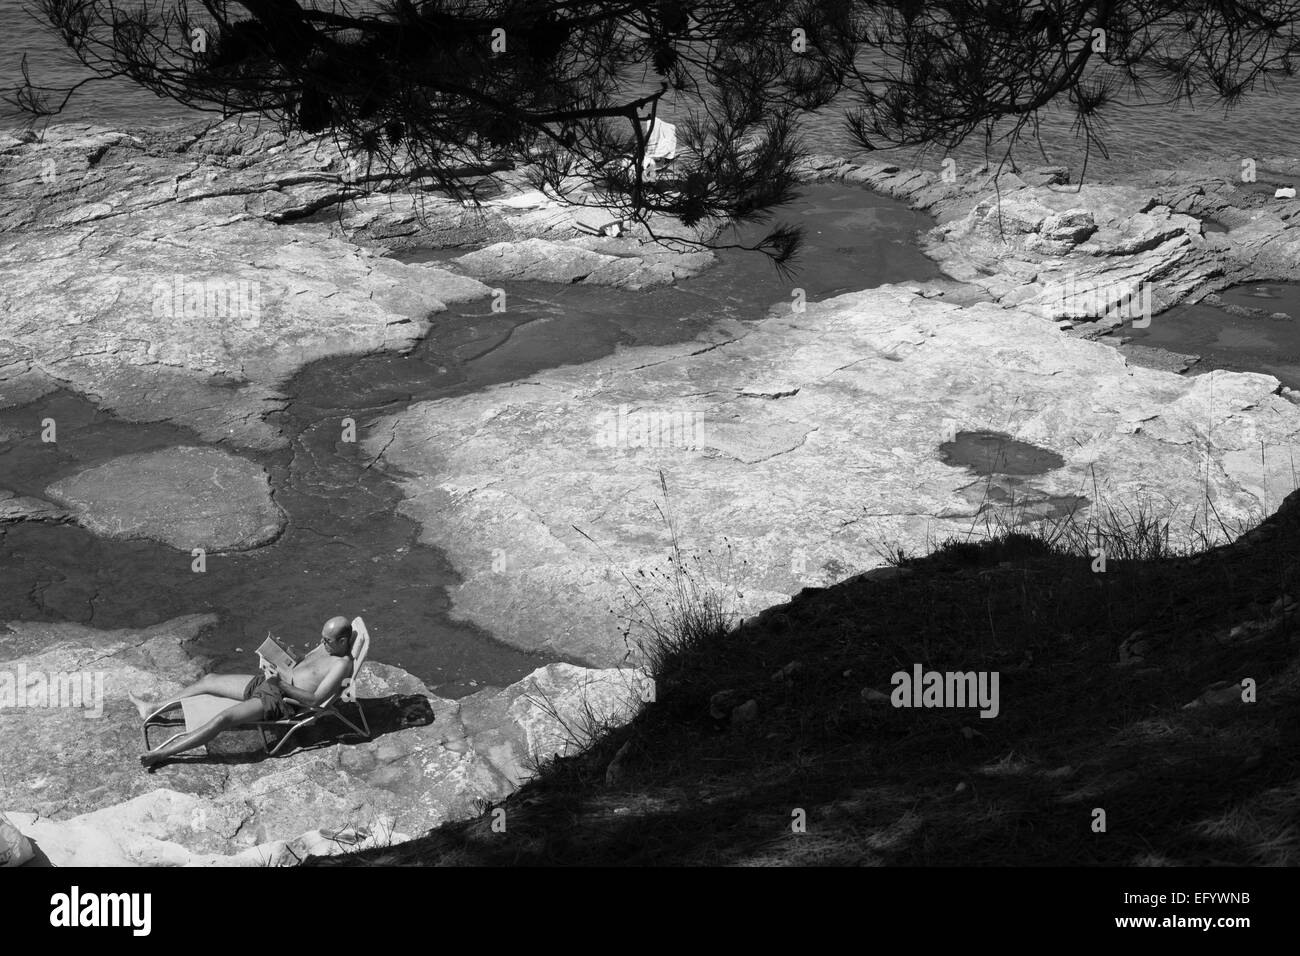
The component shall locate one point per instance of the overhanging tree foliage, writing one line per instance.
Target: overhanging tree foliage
(429, 88)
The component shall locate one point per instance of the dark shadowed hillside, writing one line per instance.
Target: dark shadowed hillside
(1120, 691)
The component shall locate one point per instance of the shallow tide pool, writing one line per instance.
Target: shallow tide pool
(345, 549)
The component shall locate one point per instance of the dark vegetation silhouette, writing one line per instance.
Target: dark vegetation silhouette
(435, 91)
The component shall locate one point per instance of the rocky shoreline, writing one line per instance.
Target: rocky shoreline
(819, 439)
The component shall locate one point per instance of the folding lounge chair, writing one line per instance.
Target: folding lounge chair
(200, 709)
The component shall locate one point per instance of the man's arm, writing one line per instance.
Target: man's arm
(328, 686)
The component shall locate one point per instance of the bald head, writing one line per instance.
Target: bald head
(336, 635)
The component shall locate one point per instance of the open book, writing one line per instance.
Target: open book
(276, 657)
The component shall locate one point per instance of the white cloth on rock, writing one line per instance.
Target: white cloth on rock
(661, 141)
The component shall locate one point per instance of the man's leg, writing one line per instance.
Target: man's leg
(240, 713)
(219, 685)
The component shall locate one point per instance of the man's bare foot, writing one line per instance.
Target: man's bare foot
(145, 707)
(148, 760)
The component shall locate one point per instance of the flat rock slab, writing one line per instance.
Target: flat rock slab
(172, 283)
(185, 497)
(795, 453)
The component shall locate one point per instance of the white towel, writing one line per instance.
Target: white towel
(661, 141)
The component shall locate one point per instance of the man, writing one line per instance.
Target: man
(660, 145)
(313, 680)
(661, 141)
